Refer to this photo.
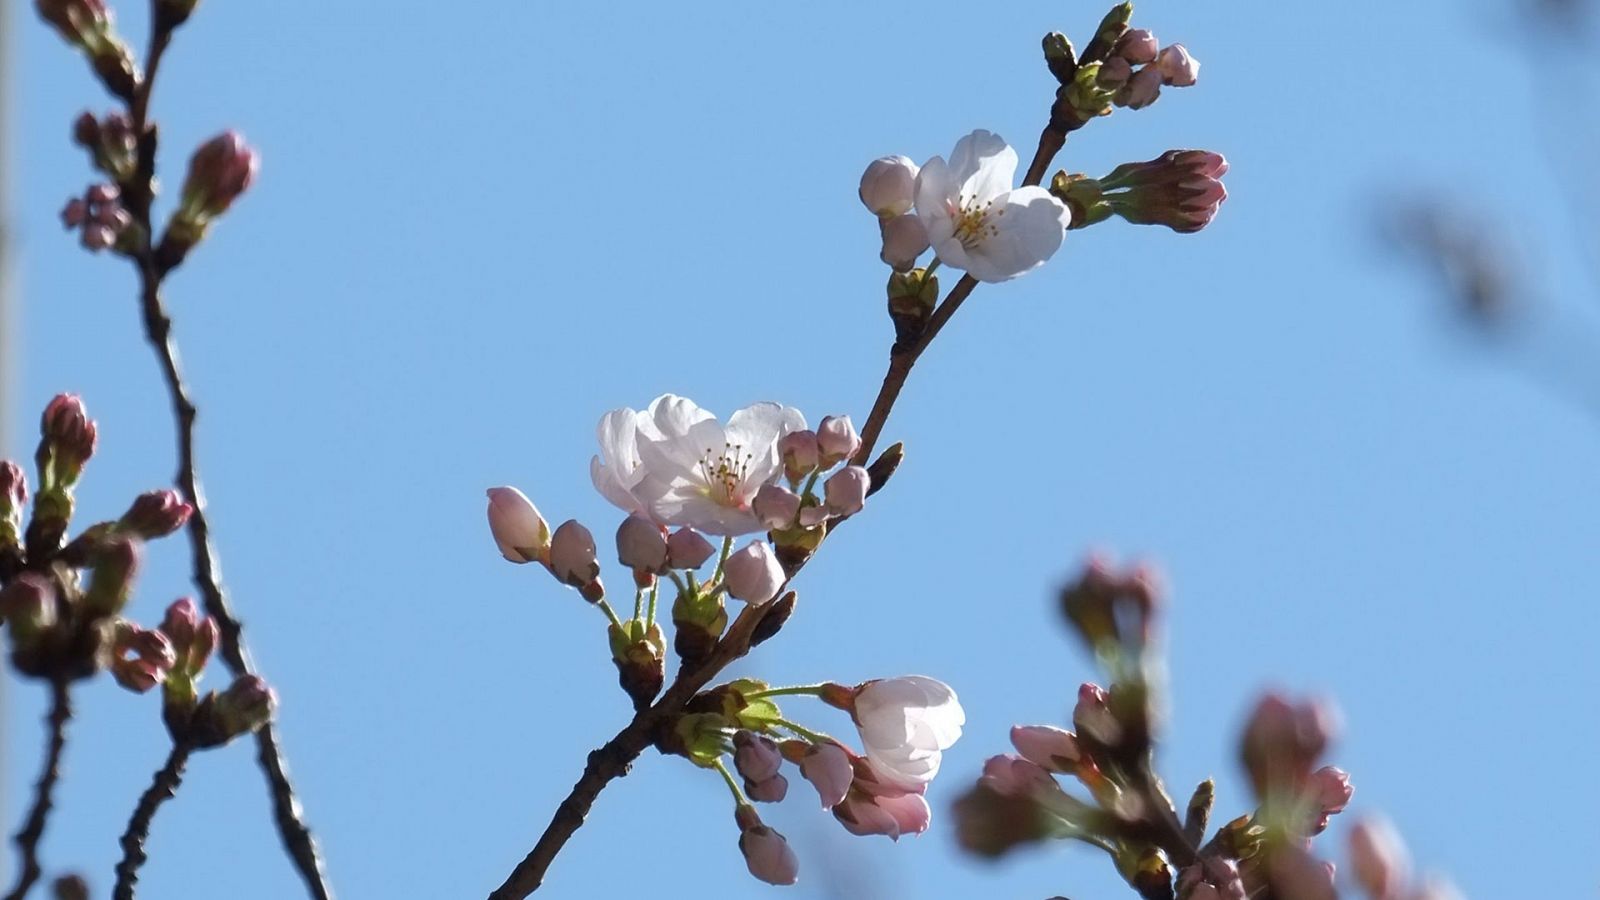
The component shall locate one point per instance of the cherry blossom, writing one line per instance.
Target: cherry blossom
(977, 221)
(906, 724)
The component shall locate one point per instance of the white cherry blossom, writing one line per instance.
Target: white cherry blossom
(906, 724)
(977, 221)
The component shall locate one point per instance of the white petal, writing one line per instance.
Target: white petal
(936, 197)
(1030, 231)
(977, 151)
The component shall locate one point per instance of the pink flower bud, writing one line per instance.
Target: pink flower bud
(1378, 858)
(140, 659)
(28, 606)
(113, 217)
(889, 186)
(766, 852)
(1283, 740)
(773, 790)
(104, 193)
(753, 574)
(572, 555)
(1013, 776)
(846, 490)
(1177, 67)
(837, 440)
(74, 214)
(1181, 189)
(86, 130)
(71, 434)
(1143, 89)
(220, 170)
(97, 237)
(642, 545)
(1137, 46)
(156, 514)
(828, 768)
(245, 706)
(519, 531)
(800, 454)
(1092, 716)
(756, 756)
(1052, 749)
(686, 549)
(904, 239)
(892, 815)
(776, 506)
(1331, 790)
(193, 636)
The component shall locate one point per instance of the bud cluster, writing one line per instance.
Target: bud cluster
(1121, 67)
(904, 725)
(1109, 752)
(1181, 189)
(110, 142)
(62, 625)
(89, 26)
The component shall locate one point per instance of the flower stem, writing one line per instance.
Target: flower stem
(815, 737)
(813, 690)
(638, 602)
(738, 792)
(611, 614)
(655, 591)
(722, 560)
(932, 267)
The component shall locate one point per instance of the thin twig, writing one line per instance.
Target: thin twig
(27, 840)
(162, 787)
(287, 814)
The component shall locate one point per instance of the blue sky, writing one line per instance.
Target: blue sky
(474, 232)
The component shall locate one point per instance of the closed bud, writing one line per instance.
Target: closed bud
(1282, 742)
(756, 756)
(1137, 46)
(28, 607)
(904, 239)
(828, 768)
(156, 514)
(687, 549)
(86, 131)
(13, 497)
(991, 824)
(776, 506)
(1060, 57)
(1181, 189)
(774, 620)
(193, 636)
(1112, 610)
(244, 707)
(75, 213)
(219, 172)
(752, 573)
(766, 852)
(1093, 719)
(1114, 73)
(846, 490)
(111, 583)
(140, 658)
(1330, 793)
(889, 186)
(642, 546)
(1013, 776)
(572, 555)
(1378, 858)
(836, 440)
(798, 450)
(519, 531)
(1178, 68)
(773, 790)
(68, 436)
(1052, 749)
(1141, 90)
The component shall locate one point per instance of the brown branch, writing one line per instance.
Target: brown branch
(162, 787)
(616, 756)
(287, 814)
(27, 840)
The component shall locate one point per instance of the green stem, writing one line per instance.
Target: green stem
(813, 690)
(655, 591)
(727, 549)
(738, 792)
(610, 613)
(815, 737)
(932, 267)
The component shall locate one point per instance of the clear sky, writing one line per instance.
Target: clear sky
(478, 227)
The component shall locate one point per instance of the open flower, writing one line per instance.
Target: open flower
(677, 464)
(977, 222)
(906, 724)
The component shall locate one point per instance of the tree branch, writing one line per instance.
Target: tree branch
(162, 787)
(27, 840)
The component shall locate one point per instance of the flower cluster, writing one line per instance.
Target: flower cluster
(683, 478)
(98, 216)
(966, 209)
(63, 629)
(904, 724)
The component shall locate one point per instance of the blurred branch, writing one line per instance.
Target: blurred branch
(27, 840)
(162, 788)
